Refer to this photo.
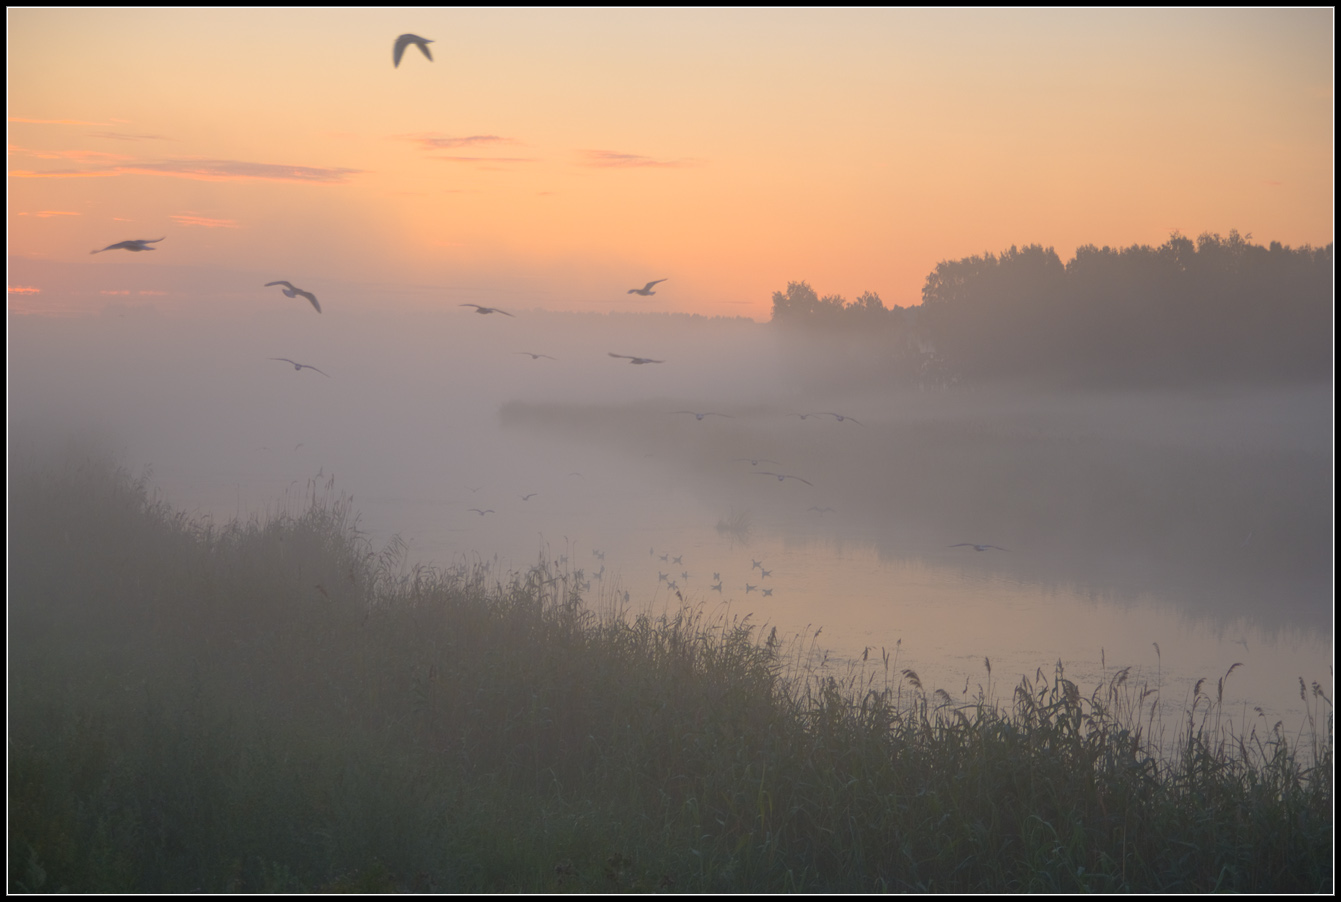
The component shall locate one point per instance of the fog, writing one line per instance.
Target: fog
(1117, 516)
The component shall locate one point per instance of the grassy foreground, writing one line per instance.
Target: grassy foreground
(273, 706)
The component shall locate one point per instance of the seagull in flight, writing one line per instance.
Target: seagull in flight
(481, 512)
(782, 476)
(646, 290)
(301, 366)
(530, 496)
(700, 416)
(756, 461)
(479, 309)
(636, 361)
(406, 40)
(535, 356)
(290, 291)
(827, 413)
(138, 244)
(977, 547)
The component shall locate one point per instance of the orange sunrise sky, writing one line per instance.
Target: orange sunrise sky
(561, 157)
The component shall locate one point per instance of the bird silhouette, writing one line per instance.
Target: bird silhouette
(977, 547)
(479, 309)
(837, 416)
(301, 366)
(646, 290)
(530, 496)
(406, 40)
(782, 476)
(749, 588)
(138, 244)
(293, 292)
(709, 413)
(636, 360)
(756, 461)
(767, 592)
(535, 356)
(481, 512)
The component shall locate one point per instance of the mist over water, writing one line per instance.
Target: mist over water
(1198, 520)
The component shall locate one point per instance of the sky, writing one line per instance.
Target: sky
(553, 159)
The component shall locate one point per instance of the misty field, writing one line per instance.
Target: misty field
(275, 705)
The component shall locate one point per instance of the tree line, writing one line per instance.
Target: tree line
(1218, 309)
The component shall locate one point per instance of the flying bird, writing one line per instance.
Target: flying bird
(700, 416)
(406, 40)
(838, 416)
(635, 360)
(479, 309)
(530, 496)
(768, 592)
(646, 290)
(535, 356)
(749, 588)
(138, 244)
(977, 547)
(756, 461)
(301, 366)
(782, 476)
(481, 512)
(290, 291)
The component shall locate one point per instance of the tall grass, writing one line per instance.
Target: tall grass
(277, 706)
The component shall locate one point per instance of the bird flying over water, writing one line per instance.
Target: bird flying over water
(646, 290)
(782, 476)
(301, 366)
(535, 356)
(406, 40)
(977, 547)
(138, 244)
(291, 291)
(635, 360)
(479, 309)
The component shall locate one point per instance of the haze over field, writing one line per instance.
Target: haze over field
(509, 278)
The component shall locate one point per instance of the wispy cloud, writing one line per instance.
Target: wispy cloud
(610, 159)
(43, 214)
(445, 142)
(22, 120)
(24, 289)
(190, 219)
(205, 171)
(485, 159)
(122, 136)
(80, 156)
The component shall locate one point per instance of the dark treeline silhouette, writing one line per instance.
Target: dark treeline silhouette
(1219, 309)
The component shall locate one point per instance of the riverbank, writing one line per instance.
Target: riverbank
(278, 706)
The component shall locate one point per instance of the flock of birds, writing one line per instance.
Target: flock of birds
(402, 43)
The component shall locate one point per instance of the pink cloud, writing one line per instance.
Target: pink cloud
(52, 121)
(609, 159)
(206, 171)
(443, 142)
(190, 219)
(486, 159)
(121, 136)
(24, 289)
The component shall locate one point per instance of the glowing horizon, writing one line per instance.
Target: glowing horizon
(567, 156)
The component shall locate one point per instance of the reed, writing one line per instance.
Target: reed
(275, 705)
